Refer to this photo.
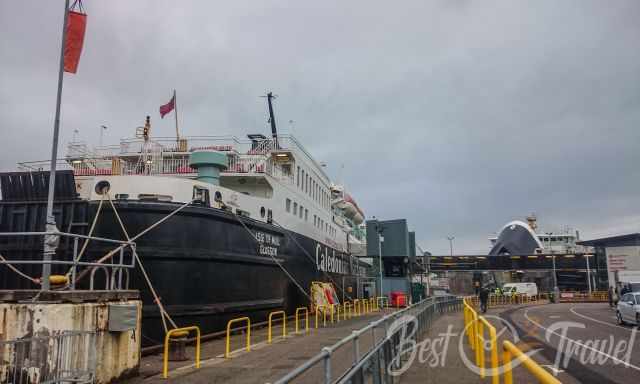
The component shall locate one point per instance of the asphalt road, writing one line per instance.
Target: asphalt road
(580, 340)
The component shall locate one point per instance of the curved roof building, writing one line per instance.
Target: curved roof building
(516, 238)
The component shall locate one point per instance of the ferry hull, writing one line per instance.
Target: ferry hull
(207, 267)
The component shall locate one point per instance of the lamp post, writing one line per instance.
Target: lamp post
(553, 261)
(450, 238)
(379, 230)
(587, 256)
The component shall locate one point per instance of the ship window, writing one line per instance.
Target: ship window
(201, 196)
(298, 177)
(262, 212)
(302, 182)
(314, 220)
(295, 208)
(288, 205)
(306, 214)
(269, 216)
(301, 211)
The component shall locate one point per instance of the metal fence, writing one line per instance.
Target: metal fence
(67, 357)
(386, 351)
(113, 272)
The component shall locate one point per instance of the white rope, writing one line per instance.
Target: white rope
(117, 249)
(156, 298)
(311, 258)
(16, 270)
(273, 258)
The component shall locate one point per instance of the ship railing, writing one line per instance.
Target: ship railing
(385, 335)
(115, 270)
(65, 357)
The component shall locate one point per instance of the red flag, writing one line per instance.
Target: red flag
(74, 39)
(164, 109)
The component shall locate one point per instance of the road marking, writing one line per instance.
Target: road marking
(553, 369)
(572, 310)
(554, 316)
(526, 315)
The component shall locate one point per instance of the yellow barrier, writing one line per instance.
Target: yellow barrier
(227, 351)
(347, 310)
(383, 299)
(165, 366)
(509, 351)
(306, 318)
(284, 324)
(365, 306)
(482, 323)
(338, 309)
(324, 315)
(356, 307)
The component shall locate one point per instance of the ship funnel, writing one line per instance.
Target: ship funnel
(208, 164)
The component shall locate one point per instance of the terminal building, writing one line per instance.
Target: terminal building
(620, 256)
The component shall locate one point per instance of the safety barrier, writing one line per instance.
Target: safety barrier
(383, 299)
(227, 352)
(182, 332)
(356, 307)
(509, 351)
(338, 309)
(347, 309)
(593, 297)
(324, 316)
(474, 327)
(284, 324)
(371, 365)
(306, 319)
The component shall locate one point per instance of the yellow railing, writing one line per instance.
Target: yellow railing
(338, 310)
(284, 324)
(474, 327)
(347, 310)
(510, 351)
(383, 299)
(227, 350)
(182, 332)
(306, 318)
(324, 315)
(356, 307)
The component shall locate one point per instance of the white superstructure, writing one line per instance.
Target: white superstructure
(275, 181)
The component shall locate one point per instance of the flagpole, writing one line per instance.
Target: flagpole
(175, 106)
(50, 249)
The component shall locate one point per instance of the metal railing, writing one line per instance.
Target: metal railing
(179, 333)
(67, 357)
(474, 326)
(116, 269)
(385, 349)
(227, 347)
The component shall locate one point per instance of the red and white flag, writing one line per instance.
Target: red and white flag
(164, 109)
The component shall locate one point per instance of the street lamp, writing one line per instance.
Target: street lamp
(450, 238)
(379, 230)
(553, 261)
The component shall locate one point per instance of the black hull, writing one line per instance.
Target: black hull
(208, 268)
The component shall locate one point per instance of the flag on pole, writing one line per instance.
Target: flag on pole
(164, 109)
(74, 39)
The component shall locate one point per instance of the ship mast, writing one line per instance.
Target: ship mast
(272, 120)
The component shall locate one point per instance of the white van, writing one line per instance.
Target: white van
(529, 289)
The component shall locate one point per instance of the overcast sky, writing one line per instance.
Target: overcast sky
(457, 115)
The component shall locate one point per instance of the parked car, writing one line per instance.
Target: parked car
(529, 289)
(628, 309)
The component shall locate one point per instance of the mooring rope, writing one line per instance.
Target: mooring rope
(310, 257)
(20, 273)
(156, 298)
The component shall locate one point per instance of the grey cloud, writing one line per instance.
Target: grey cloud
(459, 115)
